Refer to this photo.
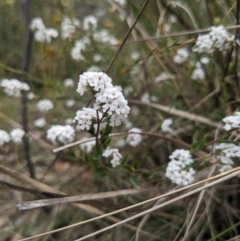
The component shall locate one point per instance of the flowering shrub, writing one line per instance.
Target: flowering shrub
(83, 111)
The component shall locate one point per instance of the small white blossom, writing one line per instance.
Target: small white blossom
(40, 122)
(232, 121)
(68, 27)
(93, 81)
(175, 170)
(68, 82)
(121, 2)
(183, 157)
(88, 145)
(86, 118)
(181, 56)
(133, 139)
(89, 22)
(225, 168)
(218, 38)
(68, 121)
(13, 87)
(30, 96)
(145, 98)
(44, 105)
(97, 57)
(166, 125)
(62, 134)
(41, 33)
(4, 137)
(114, 153)
(198, 72)
(229, 149)
(135, 55)
(104, 36)
(70, 103)
(80, 45)
(17, 135)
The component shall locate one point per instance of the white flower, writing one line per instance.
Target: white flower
(225, 160)
(62, 134)
(225, 168)
(70, 103)
(89, 22)
(181, 56)
(175, 170)
(145, 98)
(17, 135)
(68, 27)
(40, 122)
(121, 2)
(93, 81)
(30, 96)
(183, 157)
(13, 87)
(229, 149)
(166, 125)
(218, 38)
(114, 153)
(88, 145)
(198, 72)
(80, 45)
(42, 34)
(68, 121)
(104, 36)
(133, 138)
(68, 82)
(4, 137)
(232, 121)
(44, 105)
(37, 24)
(86, 118)
(97, 57)
(135, 55)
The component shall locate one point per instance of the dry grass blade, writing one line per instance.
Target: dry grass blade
(195, 185)
(75, 198)
(178, 143)
(227, 177)
(180, 113)
(45, 188)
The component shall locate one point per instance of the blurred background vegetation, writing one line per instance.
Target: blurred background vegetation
(146, 67)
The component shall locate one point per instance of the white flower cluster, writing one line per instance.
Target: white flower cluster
(90, 22)
(68, 82)
(166, 125)
(68, 27)
(62, 134)
(44, 105)
(87, 146)
(4, 137)
(17, 135)
(228, 151)
(114, 153)
(181, 56)
(80, 45)
(41, 33)
(121, 2)
(104, 36)
(133, 138)
(176, 169)
(198, 72)
(218, 38)
(13, 87)
(40, 122)
(108, 99)
(232, 121)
